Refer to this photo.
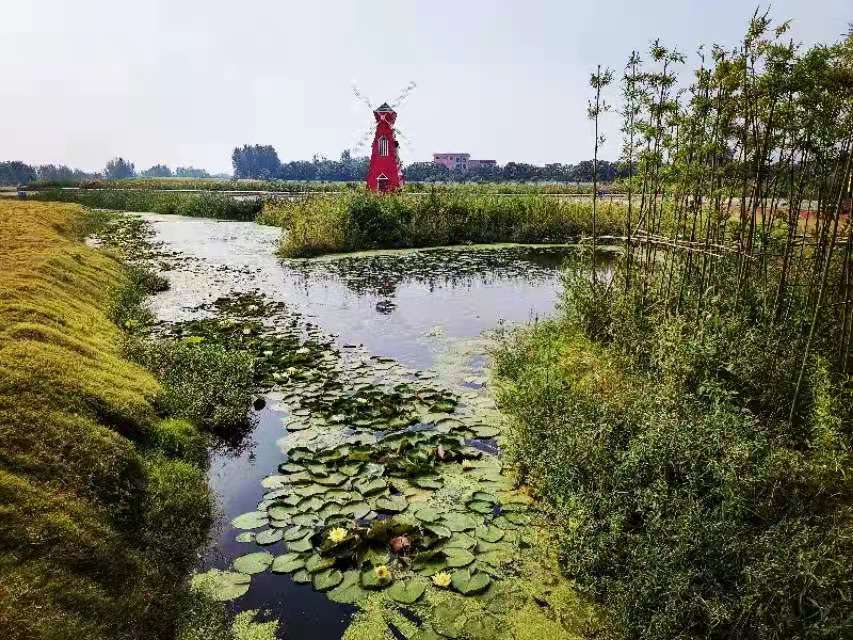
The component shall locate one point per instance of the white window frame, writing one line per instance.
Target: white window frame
(383, 146)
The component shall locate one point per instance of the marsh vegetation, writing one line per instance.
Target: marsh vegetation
(697, 408)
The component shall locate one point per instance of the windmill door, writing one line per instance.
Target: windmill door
(382, 183)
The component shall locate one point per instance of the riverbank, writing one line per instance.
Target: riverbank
(673, 467)
(203, 204)
(358, 222)
(102, 470)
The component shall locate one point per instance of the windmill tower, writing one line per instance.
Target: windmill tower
(384, 172)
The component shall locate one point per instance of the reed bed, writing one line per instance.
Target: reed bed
(698, 406)
(202, 205)
(366, 221)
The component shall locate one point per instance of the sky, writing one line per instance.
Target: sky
(182, 82)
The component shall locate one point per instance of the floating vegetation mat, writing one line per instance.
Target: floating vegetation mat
(389, 495)
(381, 273)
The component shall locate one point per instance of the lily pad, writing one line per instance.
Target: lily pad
(222, 585)
(427, 514)
(488, 533)
(268, 536)
(287, 563)
(367, 487)
(300, 546)
(392, 503)
(302, 577)
(481, 506)
(251, 520)
(468, 583)
(349, 591)
(327, 579)
(427, 482)
(460, 540)
(246, 536)
(253, 562)
(317, 563)
(296, 533)
(484, 431)
(457, 557)
(406, 591)
(439, 530)
(370, 579)
(456, 521)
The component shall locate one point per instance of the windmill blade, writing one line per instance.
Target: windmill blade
(361, 96)
(404, 94)
(406, 141)
(363, 140)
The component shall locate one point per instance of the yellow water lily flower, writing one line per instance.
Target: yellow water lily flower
(337, 535)
(441, 579)
(382, 572)
(467, 464)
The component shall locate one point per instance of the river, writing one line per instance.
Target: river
(425, 313)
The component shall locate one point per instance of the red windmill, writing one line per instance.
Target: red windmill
(384, 173)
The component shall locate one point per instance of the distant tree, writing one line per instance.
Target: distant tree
(298, 170)
(191, 172)
(118, 169)
(255, 161)
(157, 171)
(62, 173)
(520, 171)
(16, 172)
(427, 172)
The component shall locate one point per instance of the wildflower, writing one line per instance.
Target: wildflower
(441, 579)
(337, 535)
(382, 572)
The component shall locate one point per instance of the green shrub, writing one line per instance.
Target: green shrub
(686, 500)
(179, 439)
(205, 383)
(178, 512)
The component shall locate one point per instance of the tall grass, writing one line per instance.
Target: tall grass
(201, 205)
(696, 410)
(327, 224)
(103, 504)
(313, 186)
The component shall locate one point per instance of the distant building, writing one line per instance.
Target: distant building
(461, 161)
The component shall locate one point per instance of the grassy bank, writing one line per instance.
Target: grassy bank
(207, 205)
(103, 502)
(672, 467)
(364, 221)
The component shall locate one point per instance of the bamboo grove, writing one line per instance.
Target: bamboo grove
(740, 186)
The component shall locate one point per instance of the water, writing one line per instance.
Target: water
(425, 309)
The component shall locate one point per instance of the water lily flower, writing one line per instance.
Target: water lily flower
(441, 579)
(467, 464)
(337, 535)
(382, 572)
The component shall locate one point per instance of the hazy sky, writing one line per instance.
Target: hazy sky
(183, 81)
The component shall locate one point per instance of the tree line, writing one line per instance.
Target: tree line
(16, 172)
(261, 162)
